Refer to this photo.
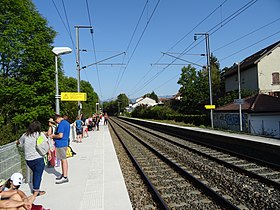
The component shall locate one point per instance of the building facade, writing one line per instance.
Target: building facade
(259, 72)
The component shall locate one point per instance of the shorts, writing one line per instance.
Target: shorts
(79, 131)
(61, 153)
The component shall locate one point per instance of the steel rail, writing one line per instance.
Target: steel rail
(155, 193)
(256, 160)
(197, 183)
(220, 161)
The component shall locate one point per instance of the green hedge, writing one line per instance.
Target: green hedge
(190, 119)
(166, 113)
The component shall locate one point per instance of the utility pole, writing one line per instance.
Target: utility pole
(119, 108)
(239, 96)
(78, 63)
(209, 73)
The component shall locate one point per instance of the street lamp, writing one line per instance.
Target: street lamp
(96, 107)
(58, 51)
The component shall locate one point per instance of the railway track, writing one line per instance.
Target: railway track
(225, 181)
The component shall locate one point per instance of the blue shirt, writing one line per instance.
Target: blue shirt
(63, 127)
(79, 124)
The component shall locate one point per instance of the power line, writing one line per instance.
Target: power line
(232, 16)
(93, 45)
(138, 42)
(218, 26)
(250, 46)
(128, 46)
(248, 34)
(203, 20)
(67, 30)
(209, 15)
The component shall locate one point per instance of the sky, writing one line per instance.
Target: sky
(134, 42)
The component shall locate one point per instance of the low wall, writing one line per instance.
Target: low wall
(230, 121)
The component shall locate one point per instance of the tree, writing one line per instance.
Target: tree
(193, 89)
(27, 70)
(111, 107)
(123, 101)
(152, 95)
(215, 75)
(26, 63)
(89, 106)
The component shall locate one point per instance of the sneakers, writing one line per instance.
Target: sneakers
(62, 180)
(59, 177)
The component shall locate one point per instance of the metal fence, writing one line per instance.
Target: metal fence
(11, 160)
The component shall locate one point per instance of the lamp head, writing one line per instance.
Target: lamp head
(61, 50)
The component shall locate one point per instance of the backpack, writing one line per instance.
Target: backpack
(42, 145)
(69, 152)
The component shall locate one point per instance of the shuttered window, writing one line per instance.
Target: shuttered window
(275, 78)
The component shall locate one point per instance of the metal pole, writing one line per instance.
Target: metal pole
(210, 75)
(118, 108)
(78, 67)
(78, 63)
(239, 96)
(57, 111)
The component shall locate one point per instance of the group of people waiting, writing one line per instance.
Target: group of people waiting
(84, 125)
(58, 140)
(58, 137)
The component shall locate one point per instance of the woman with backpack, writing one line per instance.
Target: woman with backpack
(33, 158)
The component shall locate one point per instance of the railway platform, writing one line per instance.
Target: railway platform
(95, 178)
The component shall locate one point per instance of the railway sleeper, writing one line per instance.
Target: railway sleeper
(270, 173)
(228, 159)
(215, 189)
(245, 165)
(256, 169)
(235, 162)
(242, 207)
(178, 205)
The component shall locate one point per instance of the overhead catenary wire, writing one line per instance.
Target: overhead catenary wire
(250, 45)
(196, 26)
(138, 42)
(213, 29)
(67, 29)
(94, 49)
(246, 35)
(130, 41)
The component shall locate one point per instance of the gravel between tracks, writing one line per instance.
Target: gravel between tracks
(139, 195)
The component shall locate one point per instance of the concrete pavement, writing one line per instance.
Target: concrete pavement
(95, 178)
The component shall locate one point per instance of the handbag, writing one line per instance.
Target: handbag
(42, 145)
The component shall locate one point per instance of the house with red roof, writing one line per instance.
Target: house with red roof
(259, 72)
(260, 116)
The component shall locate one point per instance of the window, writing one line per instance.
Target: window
(275, 78)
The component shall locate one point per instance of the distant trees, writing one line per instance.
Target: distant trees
(115, 106)
(151, 95)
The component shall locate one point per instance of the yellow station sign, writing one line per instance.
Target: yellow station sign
(73, 96)
(210, 106)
